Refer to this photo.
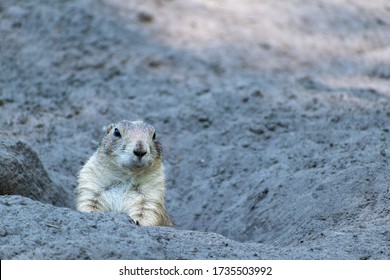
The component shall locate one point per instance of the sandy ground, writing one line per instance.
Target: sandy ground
(274, 115)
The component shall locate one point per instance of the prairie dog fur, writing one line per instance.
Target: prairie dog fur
(126, 174)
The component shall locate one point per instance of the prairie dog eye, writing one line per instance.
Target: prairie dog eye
(117, 133)
(154, 136)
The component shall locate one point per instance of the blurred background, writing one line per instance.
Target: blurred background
(273, 115)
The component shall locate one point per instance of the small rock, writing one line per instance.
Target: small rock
(154, 63)
(257, 93)
(145, 17)
(3, 233)
(256, 130)
(335, 119)
(245, 99)
(206, 121)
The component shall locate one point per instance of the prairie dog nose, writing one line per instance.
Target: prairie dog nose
(139, 150)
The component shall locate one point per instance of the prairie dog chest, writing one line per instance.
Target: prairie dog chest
(123, 198)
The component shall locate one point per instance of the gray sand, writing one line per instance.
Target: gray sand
(274, 118)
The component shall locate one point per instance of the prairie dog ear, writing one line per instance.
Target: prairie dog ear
(108, 128)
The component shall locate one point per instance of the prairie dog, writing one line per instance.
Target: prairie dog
(126, 174)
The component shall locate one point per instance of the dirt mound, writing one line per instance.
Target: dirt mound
(273, 116)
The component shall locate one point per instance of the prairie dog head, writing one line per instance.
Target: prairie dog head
(131, 145)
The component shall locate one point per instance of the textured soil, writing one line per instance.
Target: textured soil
(274, 117)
